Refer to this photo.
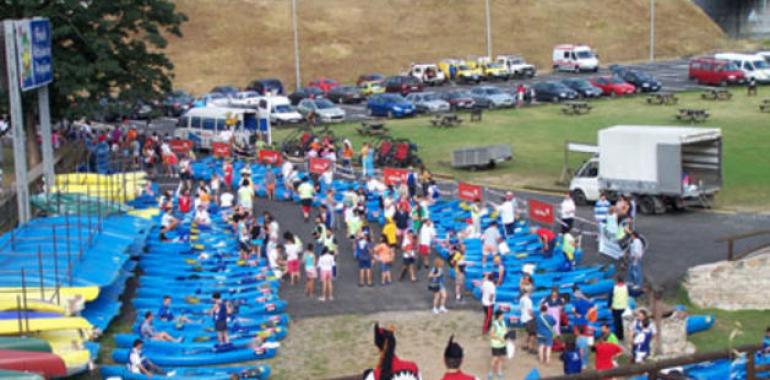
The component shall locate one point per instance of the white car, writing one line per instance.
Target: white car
(281, 112)
(428, 102)
(325, 110)
(427, 73)
(245, 99)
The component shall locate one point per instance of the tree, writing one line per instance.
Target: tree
(102, 49)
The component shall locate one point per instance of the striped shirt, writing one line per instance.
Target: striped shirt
(601, 208)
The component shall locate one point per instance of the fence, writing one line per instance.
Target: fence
(732, 239)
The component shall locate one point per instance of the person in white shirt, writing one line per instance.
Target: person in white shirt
(226, 199)
(246, 196)
(527, 318)
(567, 213)
(507, 211)
(292, 250)
(488, 291)
(326, 270)
(427, 234)
(202, 216)
(491, 239)
(138, 364)
(636, 253)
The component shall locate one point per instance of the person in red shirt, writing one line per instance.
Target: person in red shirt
(227, 168)
(185, 202)
(389, 366)
(453, 359)
(606, 353)
(546, 238)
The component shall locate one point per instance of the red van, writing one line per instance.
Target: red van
(715, 72)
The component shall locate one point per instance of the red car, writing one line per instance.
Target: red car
(613, 86)
(324, 84)
(715, 72)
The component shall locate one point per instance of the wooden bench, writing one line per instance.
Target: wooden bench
(446, 120)
(716, 94)
(476, 114)
(662, 98)
(576, 108)
(764, 106)
(372, 128)
(692, 115)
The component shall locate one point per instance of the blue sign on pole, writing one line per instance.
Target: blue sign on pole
(263, 124)
(33, 48)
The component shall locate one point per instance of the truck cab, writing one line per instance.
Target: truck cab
(575, 58)
(491, 70)
(584, 185)
(516, 66)
(428, 74)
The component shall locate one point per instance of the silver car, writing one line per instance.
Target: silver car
(492, 96)
(324, 109)
(428, 102)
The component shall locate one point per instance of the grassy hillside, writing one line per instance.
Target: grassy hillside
(235, 41)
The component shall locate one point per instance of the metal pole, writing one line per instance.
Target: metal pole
(69, 251)
(45, 135)
(17, 123)
(55, 267)
(24, 293)
(40, 272)
(298, 79)
(489, 29)
(652, 30)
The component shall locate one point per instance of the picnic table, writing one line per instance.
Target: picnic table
(446, 120)
(662, 98)
(476, 114)
(692, 115)
(576, 108)
(764, 106)
(716, 94)
(372, 128)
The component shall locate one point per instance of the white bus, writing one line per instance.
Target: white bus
(205, 125)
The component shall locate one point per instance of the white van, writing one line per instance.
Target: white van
(281, 111)
(753, 65)
(204, 125)
(575, 58)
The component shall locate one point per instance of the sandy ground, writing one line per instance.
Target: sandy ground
(325, 347)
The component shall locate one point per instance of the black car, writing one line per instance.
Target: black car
(553, 91)
(305, 93)
(345, 94)
(643, 81)
(583, 87)
(176, 103)
(265, 86)
(402, 84)
(225, 90)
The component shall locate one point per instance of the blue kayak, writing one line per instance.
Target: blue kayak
(183, 357)
(260, 372)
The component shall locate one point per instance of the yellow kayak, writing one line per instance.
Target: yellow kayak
(68, 344)
(32, 305)
(88, 293)
(96, 179)
(148, 213)
(11, 326)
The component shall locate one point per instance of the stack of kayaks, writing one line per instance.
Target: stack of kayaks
(193, 265)
(121, 187)
(57, 266)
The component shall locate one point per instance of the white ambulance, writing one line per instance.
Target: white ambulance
(575, 58)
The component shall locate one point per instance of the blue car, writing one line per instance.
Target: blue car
(390, 105)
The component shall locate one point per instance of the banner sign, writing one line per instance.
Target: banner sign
(33, 50)
(392, 176)
(269, 157)
(468, 192)
(540, 211)
(318, 165)
(180, 146)
(220, 149)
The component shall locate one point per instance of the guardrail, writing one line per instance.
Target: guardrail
(732, 239)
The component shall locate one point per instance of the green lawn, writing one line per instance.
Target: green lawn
(537, 135)
(749, 325)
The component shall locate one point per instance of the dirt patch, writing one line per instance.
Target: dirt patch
(237, 41)
(324, 347)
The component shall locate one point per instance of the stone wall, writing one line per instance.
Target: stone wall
(731, 285)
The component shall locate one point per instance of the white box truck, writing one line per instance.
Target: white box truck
(576, 58)
(662, 167)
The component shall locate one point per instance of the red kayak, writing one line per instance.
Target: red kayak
(46, 364)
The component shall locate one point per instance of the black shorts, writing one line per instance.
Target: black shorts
(185, 175)
(307, 202)
(499, 351)
(530, 327)
(220, 326)
(243, 246)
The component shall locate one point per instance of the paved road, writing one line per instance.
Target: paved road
(348, 297)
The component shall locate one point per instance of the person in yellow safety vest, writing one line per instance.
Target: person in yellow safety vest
(568, 249)
(618, 303)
